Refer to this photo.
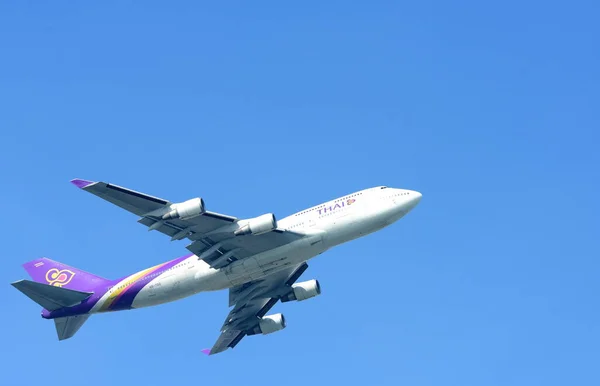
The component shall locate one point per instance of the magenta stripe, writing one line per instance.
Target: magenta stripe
(125, 299)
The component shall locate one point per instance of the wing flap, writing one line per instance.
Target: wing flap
(251, 245)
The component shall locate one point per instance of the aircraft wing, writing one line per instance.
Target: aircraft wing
(211, 239)
(252, 301)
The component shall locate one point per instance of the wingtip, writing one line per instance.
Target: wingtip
(206, 351)
(81, 183)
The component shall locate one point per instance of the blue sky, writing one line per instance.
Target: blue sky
(490, 110)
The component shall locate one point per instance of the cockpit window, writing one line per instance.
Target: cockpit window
(384, 187)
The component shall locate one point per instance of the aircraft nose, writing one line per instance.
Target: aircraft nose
(414, 198)
(417, 196)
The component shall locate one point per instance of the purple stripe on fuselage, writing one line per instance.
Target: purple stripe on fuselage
(85, 306)
(125, 300)
(101, 290)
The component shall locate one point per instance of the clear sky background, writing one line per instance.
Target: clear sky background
(490, 110)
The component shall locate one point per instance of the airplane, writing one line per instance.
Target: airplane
(258, 259)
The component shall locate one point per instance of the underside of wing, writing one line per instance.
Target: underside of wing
(152, 209)
(251, 303)
(216, 238)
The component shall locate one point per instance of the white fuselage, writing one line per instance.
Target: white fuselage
(323, 226)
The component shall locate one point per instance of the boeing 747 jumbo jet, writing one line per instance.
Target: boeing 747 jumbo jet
(258, 259)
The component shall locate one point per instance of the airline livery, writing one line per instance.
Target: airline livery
(259, 259)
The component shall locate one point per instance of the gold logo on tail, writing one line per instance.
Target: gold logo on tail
(59, 278)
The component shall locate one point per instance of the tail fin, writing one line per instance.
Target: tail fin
(61, 275)
(50, 297)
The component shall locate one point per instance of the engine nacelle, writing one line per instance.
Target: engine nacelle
(269, 324)
(186, 210)
(258, 225)
(302, 291)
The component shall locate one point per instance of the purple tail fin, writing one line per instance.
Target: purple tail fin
(61, 275)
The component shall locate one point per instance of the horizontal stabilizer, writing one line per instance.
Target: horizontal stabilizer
(67, 327)
(50, 297)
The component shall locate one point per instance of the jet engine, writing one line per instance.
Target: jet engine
(269, 324)
(257, 225)
(302, 291)
(186, 210)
